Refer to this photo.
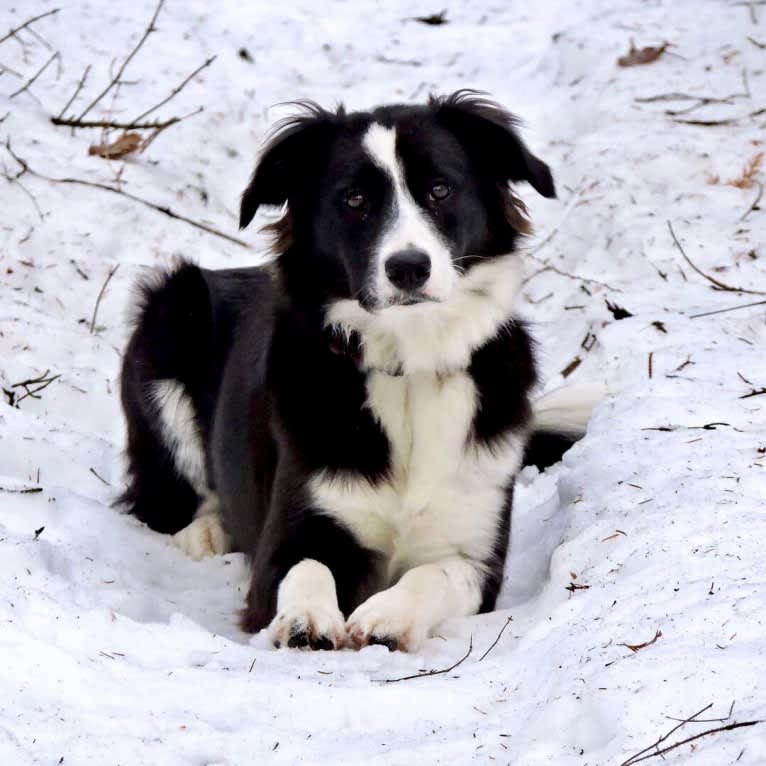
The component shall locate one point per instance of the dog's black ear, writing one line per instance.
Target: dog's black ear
(294, 147)
(488, 132)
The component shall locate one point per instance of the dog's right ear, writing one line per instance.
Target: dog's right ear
(296, 145)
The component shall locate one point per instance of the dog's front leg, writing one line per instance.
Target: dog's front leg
(307, 609)
(404, 615)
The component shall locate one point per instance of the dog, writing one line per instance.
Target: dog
(352, 415)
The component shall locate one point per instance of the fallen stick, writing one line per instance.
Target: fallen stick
(114, 190)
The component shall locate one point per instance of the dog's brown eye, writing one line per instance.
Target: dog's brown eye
(355, 200)
(439, 191)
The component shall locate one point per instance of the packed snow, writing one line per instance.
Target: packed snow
(117, 649)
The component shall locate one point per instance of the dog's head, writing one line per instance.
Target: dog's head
(395, 206)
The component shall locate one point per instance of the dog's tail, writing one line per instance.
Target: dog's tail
(560, 418)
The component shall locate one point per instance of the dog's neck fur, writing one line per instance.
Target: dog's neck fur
(432, 337)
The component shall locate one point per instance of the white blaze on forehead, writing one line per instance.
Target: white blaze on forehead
(409, 227)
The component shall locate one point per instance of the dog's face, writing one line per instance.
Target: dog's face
(394, 207)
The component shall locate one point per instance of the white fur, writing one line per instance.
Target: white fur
(307, 603)
(409, 227)
(435, 336)
(179, 431)
(421, 600)
(439, 504)
(205, 536)
(567, 410)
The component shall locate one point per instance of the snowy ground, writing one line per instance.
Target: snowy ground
(115, 649)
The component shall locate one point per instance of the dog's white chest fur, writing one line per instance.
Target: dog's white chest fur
(444, 492)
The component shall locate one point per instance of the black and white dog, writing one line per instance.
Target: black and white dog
(353, 415)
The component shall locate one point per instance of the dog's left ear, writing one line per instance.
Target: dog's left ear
(488, 133)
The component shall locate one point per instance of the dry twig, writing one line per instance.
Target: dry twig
(499, 636)
(425, 673)
(717, 285)
(754, 205)
(100, 296)
(149, 29)
(28, 22)
(34, 77)
(105, 187)
(654, 751)
(175, 91)
(723, 311)
(76, 93)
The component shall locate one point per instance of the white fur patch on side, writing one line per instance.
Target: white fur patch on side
(409, 227)
(307, 609)
(180, 432)
(434, 336)
(568, 409)
(407, 613)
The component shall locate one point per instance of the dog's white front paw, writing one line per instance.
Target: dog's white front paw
(203, 538)
(311, 626)
(389, 618)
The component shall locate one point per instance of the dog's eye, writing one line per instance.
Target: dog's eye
(439, 190)
(355, 200)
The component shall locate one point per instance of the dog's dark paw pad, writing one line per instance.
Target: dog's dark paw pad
(321, 643)
(390, 642)
(299, 637)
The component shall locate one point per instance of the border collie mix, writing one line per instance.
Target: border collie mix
(352, 416)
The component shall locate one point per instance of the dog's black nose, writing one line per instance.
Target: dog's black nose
(408, 269)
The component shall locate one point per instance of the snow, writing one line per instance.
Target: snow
(117, 649)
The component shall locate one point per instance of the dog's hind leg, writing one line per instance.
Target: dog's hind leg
(165, 387)
(158, 493)
(205, 536)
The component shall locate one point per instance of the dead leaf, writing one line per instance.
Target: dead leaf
(638, 56)
(638, 647)
(126, 144)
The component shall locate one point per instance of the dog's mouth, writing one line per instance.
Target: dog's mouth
(375, 305)
(411, 299)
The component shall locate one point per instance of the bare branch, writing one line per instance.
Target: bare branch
(159, 208)
(176, 90)
(77, 91)
(723, 311)
(151, 28)
(754, 206)
(36, 75)
(499, 636)
(718, 285)
(75, 122)
(13, 32)
(425, 673)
